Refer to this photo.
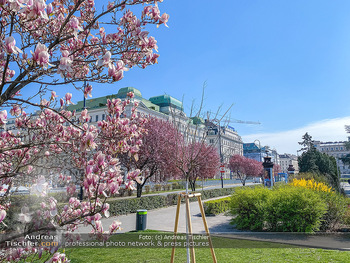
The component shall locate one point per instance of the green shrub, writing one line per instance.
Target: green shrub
(167, 187)
(217, 206)
(130, 205)
(336, 209)
(157, 187)
(347, 216)
(248, 205)
(147, 188)
(175, 185)
(288, 208)
(294, 209)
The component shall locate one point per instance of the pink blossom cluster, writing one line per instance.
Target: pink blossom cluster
(57, 42)
(74, 46)
(51, 134)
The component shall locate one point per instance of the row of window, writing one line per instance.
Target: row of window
(332, 149)
(103, 117)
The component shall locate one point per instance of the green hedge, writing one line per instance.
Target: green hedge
(288, 209)
(337, 206)
(130, 205)
(248, 205)
(294, 209)
(217, 206)
(118, 206)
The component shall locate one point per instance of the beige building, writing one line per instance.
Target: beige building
(337, 150)
(285, 160)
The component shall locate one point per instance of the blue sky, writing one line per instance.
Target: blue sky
(283, 63)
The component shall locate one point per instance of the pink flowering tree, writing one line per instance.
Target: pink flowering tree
(156, 153)
(277, 169)
(45, 45)
(206, 165)
(244, 167)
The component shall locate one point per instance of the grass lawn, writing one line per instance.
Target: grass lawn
(239, 251)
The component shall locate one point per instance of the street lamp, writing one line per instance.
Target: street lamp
(260, 160)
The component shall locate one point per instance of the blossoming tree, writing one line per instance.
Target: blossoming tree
(245, 167)
(206, 165)
(61, 42)
(156, 154)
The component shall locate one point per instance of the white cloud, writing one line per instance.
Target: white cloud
(287, 141)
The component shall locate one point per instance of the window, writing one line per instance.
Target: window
(211, 141)
(103, 116)
(96, 118)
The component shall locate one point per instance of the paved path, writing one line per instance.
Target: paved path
(164, 219)
(346, 187)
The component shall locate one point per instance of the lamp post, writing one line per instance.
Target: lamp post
(260, 160)
(268, 171)
(81, 193)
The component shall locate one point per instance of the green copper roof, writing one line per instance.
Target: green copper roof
(124, 91)
(150, 105)
(166, 100)
(197, 120)
(92, 103)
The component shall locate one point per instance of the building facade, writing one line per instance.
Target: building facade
(225, 139)
(337, 150)
(285, 160)
(256, 152)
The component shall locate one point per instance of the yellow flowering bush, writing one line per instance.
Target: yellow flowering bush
(311, 184)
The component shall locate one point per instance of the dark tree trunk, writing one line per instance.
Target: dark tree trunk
(192, 185)
(138, 189)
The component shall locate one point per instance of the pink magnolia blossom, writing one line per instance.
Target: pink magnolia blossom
(114, 227)
(10, 46)
(2, 215)
(24, 216)
(74, 24)
(30, 169)
(106, 60)
(40, 188)
(41, 55)
(36, 8)
(164, 19)
(16, 110)
(84, 116)
(49, 9)
(65, 64)
(53, 95)
(114, 73)
(3, 117)
(68, 98)
(87, 91)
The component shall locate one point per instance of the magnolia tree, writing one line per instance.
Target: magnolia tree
(47, 44)
(155, 155)
(206, 165)
(245, 167)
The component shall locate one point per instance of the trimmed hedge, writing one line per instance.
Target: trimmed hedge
(288, 209)
(118, 206)
(217, 206)
(131, 205)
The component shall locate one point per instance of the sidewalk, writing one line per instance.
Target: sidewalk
(164, 220)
